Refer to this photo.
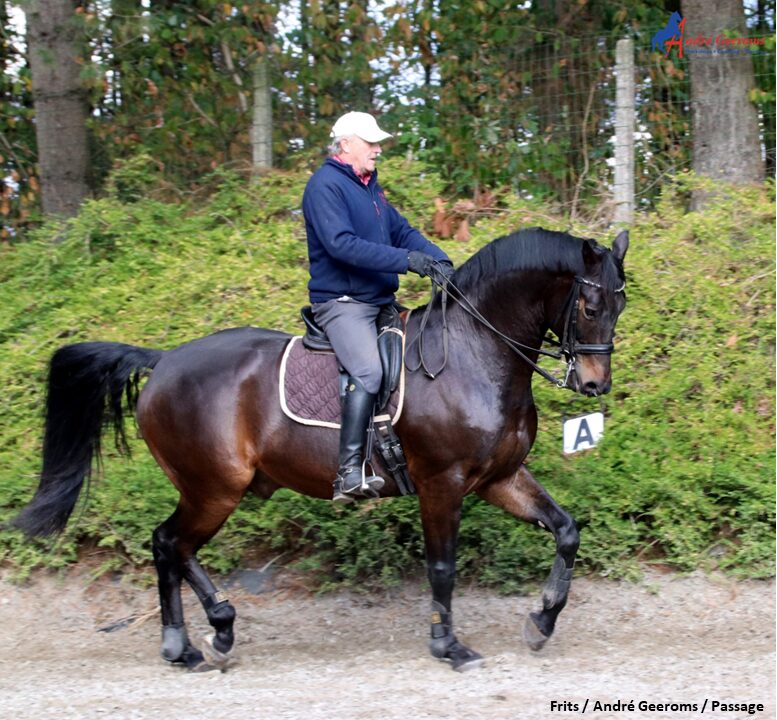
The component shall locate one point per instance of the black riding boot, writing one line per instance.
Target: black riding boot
(351, 483)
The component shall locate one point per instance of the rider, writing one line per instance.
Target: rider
(357, 243)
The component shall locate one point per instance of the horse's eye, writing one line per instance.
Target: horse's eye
(590, 312)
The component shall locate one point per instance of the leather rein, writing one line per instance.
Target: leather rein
(568, 346)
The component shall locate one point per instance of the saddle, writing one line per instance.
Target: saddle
(312, 385)
(390, 347)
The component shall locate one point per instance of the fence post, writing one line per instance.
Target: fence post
(261, 122)
(624, 132)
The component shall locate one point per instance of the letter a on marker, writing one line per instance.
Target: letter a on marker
(584, 434)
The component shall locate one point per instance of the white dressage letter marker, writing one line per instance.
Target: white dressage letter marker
(582, 433)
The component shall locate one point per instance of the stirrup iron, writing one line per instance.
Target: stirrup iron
(368, 487)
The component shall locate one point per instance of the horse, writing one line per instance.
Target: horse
(673, 29)
(209, 413)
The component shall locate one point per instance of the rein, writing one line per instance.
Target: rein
(567, 347)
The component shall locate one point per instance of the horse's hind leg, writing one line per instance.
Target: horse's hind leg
(221, 614)
(175, 641)
(521, 495)
(175, 544)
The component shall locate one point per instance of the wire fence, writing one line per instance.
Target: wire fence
(559, 123)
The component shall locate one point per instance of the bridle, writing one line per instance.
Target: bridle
(568, 346)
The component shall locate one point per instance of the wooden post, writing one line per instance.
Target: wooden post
(624, 133)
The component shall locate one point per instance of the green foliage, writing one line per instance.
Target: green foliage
(684, 476)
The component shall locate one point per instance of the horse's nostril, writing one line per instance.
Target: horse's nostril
(594, 388)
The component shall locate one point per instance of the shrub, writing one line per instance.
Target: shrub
(684, 474)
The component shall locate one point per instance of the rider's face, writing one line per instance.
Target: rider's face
(360, 154)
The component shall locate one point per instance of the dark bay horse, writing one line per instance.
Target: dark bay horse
(210, 415)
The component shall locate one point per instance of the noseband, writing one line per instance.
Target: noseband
(568, 346)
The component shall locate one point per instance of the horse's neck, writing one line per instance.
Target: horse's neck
(515, 305)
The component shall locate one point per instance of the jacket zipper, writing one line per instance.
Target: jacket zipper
(377, 212)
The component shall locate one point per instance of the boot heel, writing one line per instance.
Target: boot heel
(338, 496)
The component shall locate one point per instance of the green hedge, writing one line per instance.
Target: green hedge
(683, 477)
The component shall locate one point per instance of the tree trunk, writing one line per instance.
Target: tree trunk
(726, 142)
(61, 109)
(261, 124)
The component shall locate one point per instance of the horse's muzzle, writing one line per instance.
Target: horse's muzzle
(590, 376)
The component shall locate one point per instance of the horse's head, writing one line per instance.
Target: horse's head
(587, 325)
(571, 286)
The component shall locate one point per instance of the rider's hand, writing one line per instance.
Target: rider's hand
(445, 268)
(419, 262)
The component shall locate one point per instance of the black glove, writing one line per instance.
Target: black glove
(419, 262)
(445, 268)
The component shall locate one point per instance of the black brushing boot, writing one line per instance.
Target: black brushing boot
(351, 483)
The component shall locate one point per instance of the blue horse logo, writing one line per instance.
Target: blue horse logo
(671, 35)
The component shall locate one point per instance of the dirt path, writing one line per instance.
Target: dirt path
(666, 640)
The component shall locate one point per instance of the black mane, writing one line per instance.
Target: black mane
(539, 250)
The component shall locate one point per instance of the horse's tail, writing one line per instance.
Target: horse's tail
(90, 386)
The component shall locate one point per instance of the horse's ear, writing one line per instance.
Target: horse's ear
(621, 245)
(589, 253)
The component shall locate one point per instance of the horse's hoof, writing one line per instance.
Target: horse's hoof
(192, 658)
(472, 663)
(215, 658)
(174, 643)
(204, 666)
(462, 658)
(533, 636)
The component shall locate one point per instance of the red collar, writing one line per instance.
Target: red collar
(364, 178)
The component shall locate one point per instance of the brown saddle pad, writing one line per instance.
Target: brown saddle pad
(310, 388)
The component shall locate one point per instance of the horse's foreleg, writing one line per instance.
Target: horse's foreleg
(441, 516)
(521, 495)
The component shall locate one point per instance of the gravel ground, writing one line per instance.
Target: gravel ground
(666, 640)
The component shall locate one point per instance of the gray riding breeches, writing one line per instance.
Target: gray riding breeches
(350, 327)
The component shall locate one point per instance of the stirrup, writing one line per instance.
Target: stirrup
(361, 485)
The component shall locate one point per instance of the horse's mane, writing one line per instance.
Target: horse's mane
(539, 250)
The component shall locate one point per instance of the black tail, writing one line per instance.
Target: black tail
(89, 387)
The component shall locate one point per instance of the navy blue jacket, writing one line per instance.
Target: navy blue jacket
(357, 242)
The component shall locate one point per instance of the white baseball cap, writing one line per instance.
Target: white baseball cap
(361, 124)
